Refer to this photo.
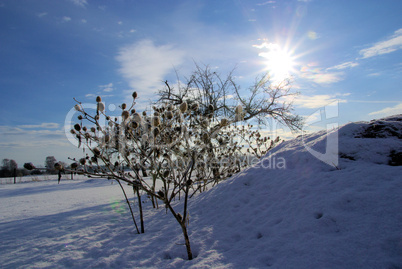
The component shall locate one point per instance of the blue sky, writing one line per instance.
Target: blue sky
(347, 52)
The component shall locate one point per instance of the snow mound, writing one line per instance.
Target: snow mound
(308, 204)
(311, 214)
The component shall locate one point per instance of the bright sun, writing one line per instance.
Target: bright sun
(279, 62)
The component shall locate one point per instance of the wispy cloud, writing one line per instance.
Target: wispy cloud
(145, 65)
(81, 3)
(107, 87)
(393, 110)
(319, 75)
(391, 44)
(45, 125)
(316, 101)
(40, 15)
(344, 66)
(65, 19)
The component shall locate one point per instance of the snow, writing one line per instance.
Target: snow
(309, 215)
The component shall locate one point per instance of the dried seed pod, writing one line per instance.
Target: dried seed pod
(156, 121)
(84, 128)
(125, 114)
(123, 106)
(170, 107)
(77, 127)
(100, 107)
(195, 107)
(77, 107)
(58, 166)
(135, 95)
(156, 131)
(96, 151)
(183, 107)
(74, 165)
(211, 108)
(93, 129)
(98, 99)
(144, 137)
(135, 124)
(224, 122)
(166, 173)
(239, 109)
(132, 111)
(83, 161)
(144, 113)
(79, 117)
(169, 114)
(72, 131)
(156, 113)
(137, 118)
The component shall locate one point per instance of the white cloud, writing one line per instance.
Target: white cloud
(317, 101)
(344, 65)
(388, 111)
(392, 44)
(81, 3)
(145, 65)
(45, 125)
(319, 75)
(107, 87)
(66, 19)
(40, 15)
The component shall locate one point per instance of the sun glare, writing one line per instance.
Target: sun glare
(279, 62)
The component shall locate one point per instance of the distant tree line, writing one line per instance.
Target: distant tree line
(9, 168)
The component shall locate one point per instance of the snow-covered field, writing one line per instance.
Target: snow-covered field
(309, 215)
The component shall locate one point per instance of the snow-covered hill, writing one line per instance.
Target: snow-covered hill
(303, 213)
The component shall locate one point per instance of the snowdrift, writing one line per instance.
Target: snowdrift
(309, 214)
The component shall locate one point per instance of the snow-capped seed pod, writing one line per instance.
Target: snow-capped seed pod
(74, 165)
(100, 106)
(135, 95)
(77, 107)
(224, 122)
(156, 121)
(133, 111)
(84, 128)
(183, 107)
(239, 109)
(156, 113)
(77, 127)
(144, 113)
(72, 131)
(96, 151)
(98, 99)
(93, 129)
(137, 118)
(58, 166)
(169, 114)
(83, 161)
(184, 128)
(170, 107)
(125, 114)
(110, 123)
(123, 106)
